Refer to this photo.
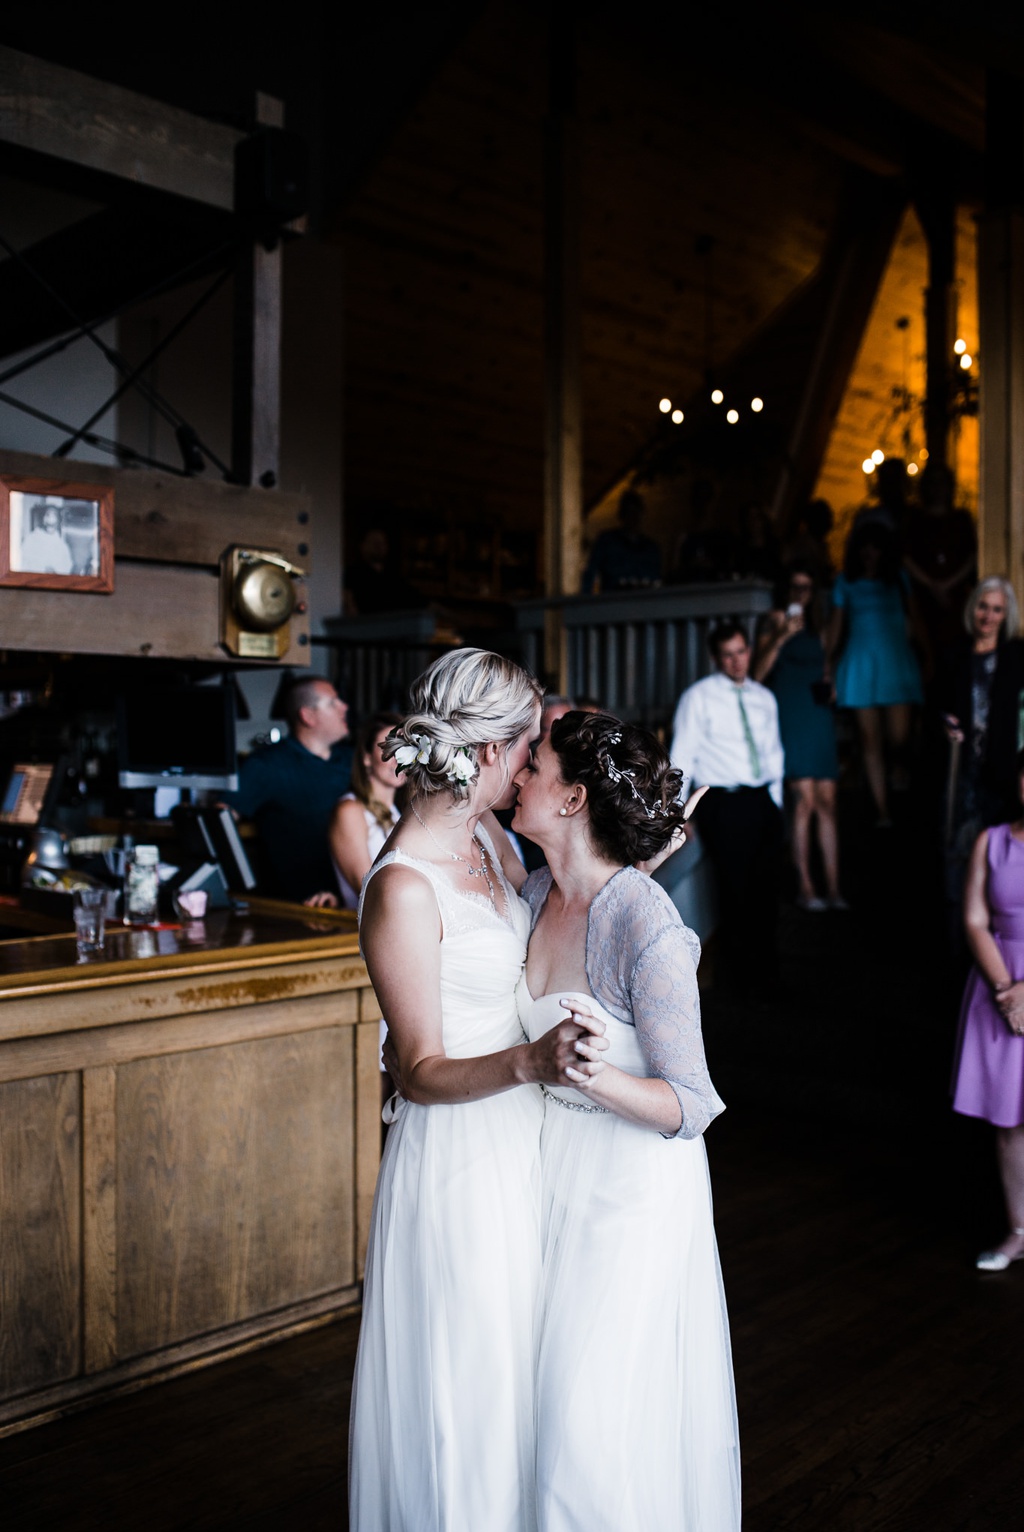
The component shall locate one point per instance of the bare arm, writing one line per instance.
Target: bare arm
(349, 842)
(978, 919)
(650, 1103)
(401, 941)
(770, 640)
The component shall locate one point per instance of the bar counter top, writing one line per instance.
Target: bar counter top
(263, 933)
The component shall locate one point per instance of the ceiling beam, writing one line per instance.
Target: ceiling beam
(109, 131)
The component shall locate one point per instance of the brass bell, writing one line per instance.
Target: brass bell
(264, 596)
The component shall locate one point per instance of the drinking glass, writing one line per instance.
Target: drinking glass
(90, 911)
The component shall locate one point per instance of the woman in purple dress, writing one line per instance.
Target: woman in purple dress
(989, 1077)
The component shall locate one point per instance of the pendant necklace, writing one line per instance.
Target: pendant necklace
(474, 872)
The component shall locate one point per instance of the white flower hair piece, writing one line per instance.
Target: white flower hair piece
(417, 753)
(462, 768)
(617, 775)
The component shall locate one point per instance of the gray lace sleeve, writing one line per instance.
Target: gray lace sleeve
(642, 965)
(535, 890)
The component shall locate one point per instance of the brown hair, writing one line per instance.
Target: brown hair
(633, 792)
(362, 784)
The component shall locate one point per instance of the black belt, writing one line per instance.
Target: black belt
(741, 788)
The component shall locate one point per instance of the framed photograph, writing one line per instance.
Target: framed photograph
(56, 536)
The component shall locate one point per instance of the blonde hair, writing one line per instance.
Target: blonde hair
(1011, 623)
(465, 699)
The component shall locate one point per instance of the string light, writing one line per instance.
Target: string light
(665, 405)
(878, 456)
(732, 416)
(757, 405)
(717, 396)
(966, 361)
(868, 465)
(677, 417)
(959, 346)
(912, 469)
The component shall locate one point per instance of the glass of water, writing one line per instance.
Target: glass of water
(90, 919)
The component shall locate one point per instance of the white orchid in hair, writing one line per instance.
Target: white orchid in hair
(463, 767)
(416, 753)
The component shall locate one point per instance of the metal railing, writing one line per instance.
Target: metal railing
(633, 651)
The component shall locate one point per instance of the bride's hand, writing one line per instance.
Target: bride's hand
(389, 1058)
(585, 1061)
(678, 836)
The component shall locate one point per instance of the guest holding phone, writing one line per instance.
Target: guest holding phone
(790, 660)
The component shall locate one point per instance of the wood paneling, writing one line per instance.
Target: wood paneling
(100, 127)
(40, 1229)
(99, 1216)
(233, 1166)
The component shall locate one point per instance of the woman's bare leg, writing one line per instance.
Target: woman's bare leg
(897, 728)
(803, 811)
(1010, 1151)
(869, 725)
(828, 839)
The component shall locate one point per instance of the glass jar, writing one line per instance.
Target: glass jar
(141, 885)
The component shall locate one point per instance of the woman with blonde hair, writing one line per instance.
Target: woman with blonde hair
(977, 692)
(442, 1433)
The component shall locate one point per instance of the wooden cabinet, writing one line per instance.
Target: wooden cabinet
(188, 1149)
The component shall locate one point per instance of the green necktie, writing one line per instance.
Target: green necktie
(755, 759)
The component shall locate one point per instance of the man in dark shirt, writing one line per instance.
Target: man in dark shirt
(623, 558)
(290, 789)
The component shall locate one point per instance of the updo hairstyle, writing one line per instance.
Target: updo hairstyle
(611, 759)
(464, 700)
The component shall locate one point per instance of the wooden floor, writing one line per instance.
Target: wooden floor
(879, 1377)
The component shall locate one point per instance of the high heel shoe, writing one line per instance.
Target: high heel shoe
(998, 1260)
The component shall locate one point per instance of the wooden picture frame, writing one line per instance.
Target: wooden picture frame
(56, 535)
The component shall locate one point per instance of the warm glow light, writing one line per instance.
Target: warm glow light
(911, 469)
(959, 346)
(677, 417)
(966, 360)
(923, 454)
(717, 396)
(757, 405)
(868, 465)
(665, 405)
(878, 456)
(732, 416)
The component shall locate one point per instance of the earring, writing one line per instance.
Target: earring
(563, 812)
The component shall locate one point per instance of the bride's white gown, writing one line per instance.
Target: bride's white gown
(636, 1415)
(442, 1435)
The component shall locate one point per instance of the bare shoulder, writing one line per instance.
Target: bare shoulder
(399, 892)
(349, 811)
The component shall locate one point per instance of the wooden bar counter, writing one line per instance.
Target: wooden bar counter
(189, 1139)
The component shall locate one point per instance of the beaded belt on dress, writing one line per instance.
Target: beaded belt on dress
(571, 1106)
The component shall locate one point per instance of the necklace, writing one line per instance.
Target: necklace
(474, 872)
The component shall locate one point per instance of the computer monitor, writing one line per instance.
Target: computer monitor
(26, 794)
(181, 736)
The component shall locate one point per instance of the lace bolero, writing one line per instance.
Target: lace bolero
(642, 967)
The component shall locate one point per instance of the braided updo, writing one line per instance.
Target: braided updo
(465, 699)
(633, 793)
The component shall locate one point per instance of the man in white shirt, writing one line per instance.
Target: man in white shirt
(726, 736)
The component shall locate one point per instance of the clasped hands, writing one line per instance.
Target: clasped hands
(1009, 999)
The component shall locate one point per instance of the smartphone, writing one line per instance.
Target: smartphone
(794, 609)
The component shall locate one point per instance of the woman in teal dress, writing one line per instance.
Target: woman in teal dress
(790, 660)
(877, 674)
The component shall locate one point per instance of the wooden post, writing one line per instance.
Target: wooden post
(256, 392)
(563, 423)
(1001, 338)
(938, 219)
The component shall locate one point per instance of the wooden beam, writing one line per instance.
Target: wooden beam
(563, 408)
(64, 115)
(256, 387)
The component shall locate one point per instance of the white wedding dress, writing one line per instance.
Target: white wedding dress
(636, 1413)
(442, 1433)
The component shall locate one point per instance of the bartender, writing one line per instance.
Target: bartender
(289, 790)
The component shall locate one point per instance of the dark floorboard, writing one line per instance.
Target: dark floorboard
(878, 1375)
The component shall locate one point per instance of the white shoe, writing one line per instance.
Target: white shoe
(813, 904)
(998, 1260)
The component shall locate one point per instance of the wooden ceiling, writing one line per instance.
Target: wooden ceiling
(690, 130)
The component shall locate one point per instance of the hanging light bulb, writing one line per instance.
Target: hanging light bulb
(757, 405)
(717, 396)
(966, 361)
(732, 416)
(878, 456)
(868, 465)
(959, 346)
(912, 469)
(665, 405)
(677, 417)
